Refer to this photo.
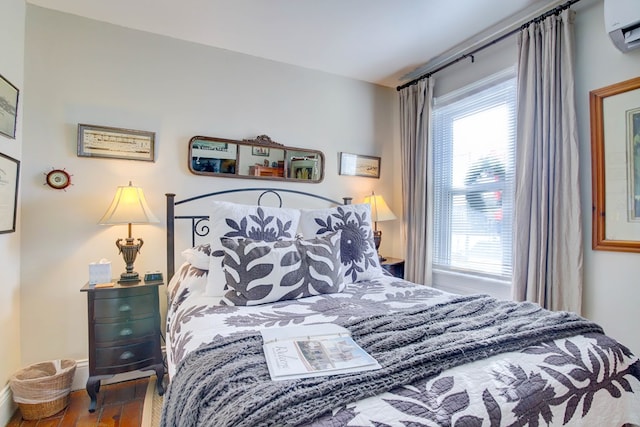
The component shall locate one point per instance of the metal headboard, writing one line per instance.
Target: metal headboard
(199, 223)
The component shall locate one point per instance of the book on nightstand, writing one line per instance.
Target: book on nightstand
(313, 350)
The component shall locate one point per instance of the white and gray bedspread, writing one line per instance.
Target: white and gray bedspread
(472, 371)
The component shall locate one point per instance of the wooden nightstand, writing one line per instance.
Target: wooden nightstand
(395, 266)
(124, 332)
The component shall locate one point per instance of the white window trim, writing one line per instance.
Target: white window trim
(463, 283)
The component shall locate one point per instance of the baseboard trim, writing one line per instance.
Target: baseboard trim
(7, 407)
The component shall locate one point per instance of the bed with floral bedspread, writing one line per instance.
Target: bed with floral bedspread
(579, 377)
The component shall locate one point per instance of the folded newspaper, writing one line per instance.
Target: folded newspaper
(313, 350)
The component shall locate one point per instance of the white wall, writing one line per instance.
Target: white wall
(82, 71)
(12, 14)
(611, 289)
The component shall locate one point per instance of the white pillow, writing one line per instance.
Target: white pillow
(357, 249)
(198, 256)
(259, 272)
(244, 221)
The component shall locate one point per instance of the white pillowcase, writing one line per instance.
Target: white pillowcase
(357, 249)
(244, 221)
(198, 256)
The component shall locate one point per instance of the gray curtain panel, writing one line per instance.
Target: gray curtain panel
(415, 118)
(548, 252)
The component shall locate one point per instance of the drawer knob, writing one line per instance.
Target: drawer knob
(125, 332)
(126, 355)
(125, 307)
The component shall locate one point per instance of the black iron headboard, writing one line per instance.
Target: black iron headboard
(199, 223)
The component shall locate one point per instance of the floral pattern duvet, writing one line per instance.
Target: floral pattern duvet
(586, 380)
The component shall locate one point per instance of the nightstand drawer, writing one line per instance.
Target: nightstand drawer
(395, 266)
(123, 292)
(130, 330)
(124, 355)
(124, 307)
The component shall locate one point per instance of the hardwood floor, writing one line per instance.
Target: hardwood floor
(119, 405)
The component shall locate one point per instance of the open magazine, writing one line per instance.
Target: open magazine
(313, 350)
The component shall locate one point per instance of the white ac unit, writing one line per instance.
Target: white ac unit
(622, 21)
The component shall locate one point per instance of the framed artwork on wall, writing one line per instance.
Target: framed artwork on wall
(359, 165)
(615, 166)
(8, 108)
(9, 174)
(115, 143)
(260, 151)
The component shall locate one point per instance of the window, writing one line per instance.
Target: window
(473, 169)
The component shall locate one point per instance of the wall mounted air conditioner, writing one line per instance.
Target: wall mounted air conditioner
(622, 21)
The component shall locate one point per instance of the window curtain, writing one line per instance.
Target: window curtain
(548, 252)
(415, 117)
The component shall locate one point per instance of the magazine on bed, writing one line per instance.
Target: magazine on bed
(313, 350)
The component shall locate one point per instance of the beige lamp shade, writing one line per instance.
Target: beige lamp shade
(379, 209)
(128, 207)
(379, 212)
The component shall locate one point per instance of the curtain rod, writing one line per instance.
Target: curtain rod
(539, 18)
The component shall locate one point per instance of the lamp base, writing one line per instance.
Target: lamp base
(377, 239)
(129, 250)
(129, 277)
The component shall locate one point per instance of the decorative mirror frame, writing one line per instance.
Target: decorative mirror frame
(261, 146)
(598, 177)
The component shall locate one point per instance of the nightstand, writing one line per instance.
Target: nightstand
(395, 266)
(124, 332)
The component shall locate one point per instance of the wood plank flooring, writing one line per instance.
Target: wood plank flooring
(119, 405)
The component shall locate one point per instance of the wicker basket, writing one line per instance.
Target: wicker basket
(42, 389)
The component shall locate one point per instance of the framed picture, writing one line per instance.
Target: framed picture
(304, 168)
(115, 143)
(615, 166)
(358, 165)
(9, 173)
(8, 108)
(260, 151)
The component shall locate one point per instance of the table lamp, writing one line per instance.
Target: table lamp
(128, 207)
(379, 212)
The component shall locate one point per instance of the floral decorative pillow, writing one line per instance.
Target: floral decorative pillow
(357, 249)
(259, 272)
(244, 221)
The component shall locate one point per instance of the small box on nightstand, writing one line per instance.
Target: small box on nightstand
(99, 272)
(152, 276)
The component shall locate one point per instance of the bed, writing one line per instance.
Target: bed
(446, 360)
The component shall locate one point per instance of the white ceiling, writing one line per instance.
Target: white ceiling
(377, 41)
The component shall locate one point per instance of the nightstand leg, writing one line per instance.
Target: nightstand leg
(93, 386)
(159, 375)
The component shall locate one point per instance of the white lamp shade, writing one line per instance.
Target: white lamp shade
(128, 207)
(379, 209)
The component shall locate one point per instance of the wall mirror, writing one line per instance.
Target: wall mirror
(259, 158)
(615, 166)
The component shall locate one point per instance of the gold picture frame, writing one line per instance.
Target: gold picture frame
(615, 167)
